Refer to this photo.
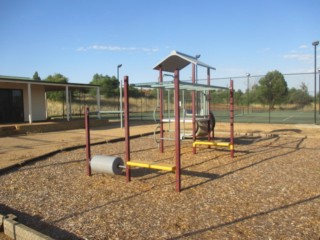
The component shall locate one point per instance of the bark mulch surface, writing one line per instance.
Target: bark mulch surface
(270, 190)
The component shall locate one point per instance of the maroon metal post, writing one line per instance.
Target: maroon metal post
(127, 127)
(194, 107)
(231, 120)
(161, 110)
(88, 147)
(177, 129)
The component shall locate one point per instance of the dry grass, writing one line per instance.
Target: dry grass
(77, 108)
(269, 191)
(148, 105)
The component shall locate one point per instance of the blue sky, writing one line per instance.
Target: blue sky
(84, 37)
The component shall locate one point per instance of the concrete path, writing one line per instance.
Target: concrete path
(15, 150)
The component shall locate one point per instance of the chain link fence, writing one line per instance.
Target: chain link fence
(300, 106)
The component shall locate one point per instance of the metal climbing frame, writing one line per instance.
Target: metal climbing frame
(230, 144)
(174, 63)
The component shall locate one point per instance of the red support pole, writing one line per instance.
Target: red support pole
(194, 107)
(161, 110)
(231, 120)
(177, 130)
(88, 147)
(127, 127)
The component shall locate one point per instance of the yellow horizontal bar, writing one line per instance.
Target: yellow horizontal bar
(138, 164)
(163, 166)
(223, 144)
(208, 143)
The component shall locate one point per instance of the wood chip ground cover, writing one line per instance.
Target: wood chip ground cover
(270, 190)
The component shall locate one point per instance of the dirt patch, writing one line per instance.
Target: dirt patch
(22, 148)
(270, 190)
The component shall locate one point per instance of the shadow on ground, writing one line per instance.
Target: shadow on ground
(294, 130)
(36, 223)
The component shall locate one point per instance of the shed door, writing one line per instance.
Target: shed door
(11, 106)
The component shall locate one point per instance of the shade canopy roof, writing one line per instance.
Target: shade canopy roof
(177, 61)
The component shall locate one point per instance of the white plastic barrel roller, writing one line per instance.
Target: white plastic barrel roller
(107, 164)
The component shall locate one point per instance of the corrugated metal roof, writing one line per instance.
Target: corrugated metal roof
(49, 86)
(177, 61)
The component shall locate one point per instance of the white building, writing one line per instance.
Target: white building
(24, 99)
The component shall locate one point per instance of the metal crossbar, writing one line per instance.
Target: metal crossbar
(162, 166)
(182, 86)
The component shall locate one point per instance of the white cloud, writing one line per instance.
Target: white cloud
(81, 49)
(264, 50)
(303, 47)
(114, 48)
(150, 49)
(298, 56)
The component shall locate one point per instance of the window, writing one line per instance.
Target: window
(11, 106)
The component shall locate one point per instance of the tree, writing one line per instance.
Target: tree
(58, 95)
(57, 77)
(272, 89)
(135, 92)
(36, 76)
(109, 86)
(254, 94)
(239, 98)
(220, 96)
(300, 96)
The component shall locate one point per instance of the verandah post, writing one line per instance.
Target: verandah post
(208, 105)
(193, 108)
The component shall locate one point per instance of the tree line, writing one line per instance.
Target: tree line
(271, 90)
(109, 86)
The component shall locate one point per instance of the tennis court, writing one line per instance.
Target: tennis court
(277, 116)
(242, 116)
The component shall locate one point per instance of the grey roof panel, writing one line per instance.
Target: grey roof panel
(177, 61)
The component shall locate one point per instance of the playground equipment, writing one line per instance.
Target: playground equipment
(112, 164)
(201, 123)
(107, 164)
(100, 163)
(230, 144)
(173, 63)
